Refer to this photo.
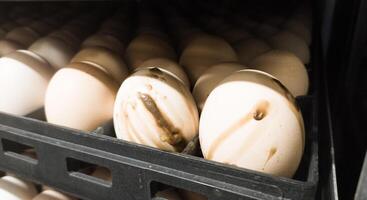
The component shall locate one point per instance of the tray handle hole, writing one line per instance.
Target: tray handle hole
(161, 191)
(90, 172)
(19, 151)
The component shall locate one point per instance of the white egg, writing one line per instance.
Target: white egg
(12, 188)
(286, 67)
(210, 79)
(111, 62)
(55, 51)
(80, 96)
(9, 46)
(24, 77)
(250, 48)
(23, 35)
(169, 194)
(52, 195)
(106, 41)
(205, 51)
(288, 41)
(144, 47)
(250, 120)
(170, 66)
(155, 109)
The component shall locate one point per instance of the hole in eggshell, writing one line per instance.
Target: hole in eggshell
(261, 110)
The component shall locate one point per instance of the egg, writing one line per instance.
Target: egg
(144, 47)
(250, 48)
(170, 66)
(204, 51)
(210, 79)
(299, 29)
(12, 188)
(250, 120)
(23, 35)
(41, 27)
(106, 41)
(24, 77)
(102, 173)
(286, 67)
(9, 46)
(80, 96)
(265, 30)
(169, 194)
(52, 195)
(155, 109)
(66, 37)
(8, 26)
(55, 51)
(188, 195)
(288, 41)
(236, 34)
(111, 62)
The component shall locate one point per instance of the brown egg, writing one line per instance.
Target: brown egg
(250, 48)
(80, 96)
(288, 41)
(211, 78)
(23, 35)
(104, 40)
(286, 67)
(188, 195)
(146, 46)
(102, 173)
(250, 120)
(204, 51)
(55, 51)
(110, 61)
(170, 66)
(24, 77)
(9, 46)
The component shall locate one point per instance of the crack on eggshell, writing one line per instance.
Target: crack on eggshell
(272, 152)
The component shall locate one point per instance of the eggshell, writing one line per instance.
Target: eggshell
(265, 30)
(8, 26)
(66, 37)
(249, 49)
(9, 46)
(80, 96)
(299, 29)
(204, 51)
(12, 188)
(55, 51)
(102, 173)
(251, 120)
(236, 34)
(106, 41)
(210, 79)
(288, 41)
(286, 67)
(23, 80)
(188, 195)
(168, 194)
(52, 195)
(170, 66)
(41, 27)
(23, 35)
(109, 60)
(155, 109)
(144, 47)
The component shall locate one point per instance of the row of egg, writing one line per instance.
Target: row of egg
(15, 188)
(154, 105)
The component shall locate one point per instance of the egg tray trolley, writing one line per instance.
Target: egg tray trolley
(139, 171)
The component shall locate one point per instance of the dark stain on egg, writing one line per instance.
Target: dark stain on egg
(172, 135)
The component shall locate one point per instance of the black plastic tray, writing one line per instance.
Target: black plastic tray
(135, 168)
